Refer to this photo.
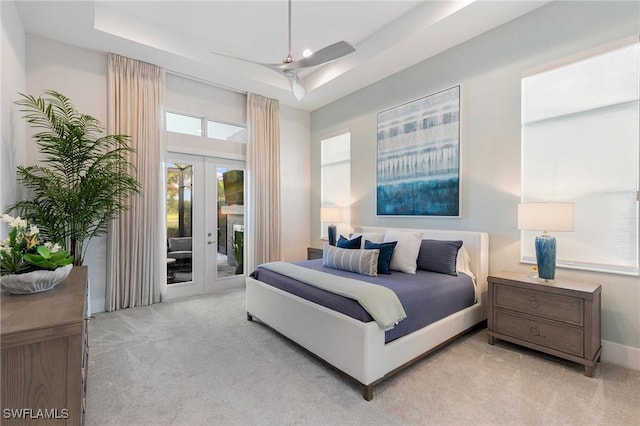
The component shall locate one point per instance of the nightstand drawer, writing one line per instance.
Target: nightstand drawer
(550, 334)
(551, 306)
(314, 253)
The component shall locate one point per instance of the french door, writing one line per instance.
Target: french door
(205, 224)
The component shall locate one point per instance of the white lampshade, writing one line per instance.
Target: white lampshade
(545, 216)
(330, 215)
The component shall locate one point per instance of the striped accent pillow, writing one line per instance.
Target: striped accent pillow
(364, 262)
(439, 256)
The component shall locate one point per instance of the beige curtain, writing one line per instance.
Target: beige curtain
(263, 165)
(136, 247)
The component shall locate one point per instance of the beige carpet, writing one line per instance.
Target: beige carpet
(200, 362)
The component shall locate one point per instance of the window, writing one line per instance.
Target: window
(190, 125)
(335, 173)
(185, 124)
(227, 132)
(580, 136)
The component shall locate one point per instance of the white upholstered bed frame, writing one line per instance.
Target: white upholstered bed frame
(357, 348)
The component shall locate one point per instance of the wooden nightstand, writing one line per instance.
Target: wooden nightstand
(560, 318)
(314, 253)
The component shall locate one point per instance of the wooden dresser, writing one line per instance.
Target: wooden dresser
(561, 318)
(44, 354)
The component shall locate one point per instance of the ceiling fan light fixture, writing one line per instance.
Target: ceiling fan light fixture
(298, 89)
(297, 85)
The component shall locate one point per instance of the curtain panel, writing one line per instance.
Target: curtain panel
(263, 168)
(136, 242)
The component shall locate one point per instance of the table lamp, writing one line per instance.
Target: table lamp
(546, 217)
(331, 215)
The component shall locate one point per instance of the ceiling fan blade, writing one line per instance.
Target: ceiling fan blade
(297, 85)
(322, 56)
(327, 54)
(237, 58)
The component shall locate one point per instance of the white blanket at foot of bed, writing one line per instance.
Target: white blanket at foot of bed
(382, 303)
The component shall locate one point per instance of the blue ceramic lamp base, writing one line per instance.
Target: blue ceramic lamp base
(546, 256)
(332, 235)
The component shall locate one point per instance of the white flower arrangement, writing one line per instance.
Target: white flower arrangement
(23, 251)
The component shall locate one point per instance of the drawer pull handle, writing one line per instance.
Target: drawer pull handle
(534, 302)
(534, 330)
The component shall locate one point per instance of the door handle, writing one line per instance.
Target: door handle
(211, 242)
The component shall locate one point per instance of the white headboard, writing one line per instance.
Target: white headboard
(476, 243)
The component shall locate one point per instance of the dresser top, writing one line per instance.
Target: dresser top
(64, 304)
(558, 284)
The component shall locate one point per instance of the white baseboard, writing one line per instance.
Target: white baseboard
(624, 356)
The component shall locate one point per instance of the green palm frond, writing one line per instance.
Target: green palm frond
(85, 178)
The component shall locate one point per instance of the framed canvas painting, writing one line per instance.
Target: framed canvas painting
(418, 157)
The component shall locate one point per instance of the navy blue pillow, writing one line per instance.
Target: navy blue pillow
(349, 244)
(384, 258)
(439, 256)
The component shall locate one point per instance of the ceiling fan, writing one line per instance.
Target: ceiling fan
(290, 66)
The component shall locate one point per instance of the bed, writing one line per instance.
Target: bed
(362, 350)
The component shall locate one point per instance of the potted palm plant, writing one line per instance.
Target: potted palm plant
(83, 180)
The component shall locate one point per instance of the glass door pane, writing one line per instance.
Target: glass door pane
(179, 222)
(230, 219)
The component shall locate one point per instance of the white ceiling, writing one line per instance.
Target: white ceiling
(180, 36)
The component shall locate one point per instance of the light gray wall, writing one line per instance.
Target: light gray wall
(295, 182)
(194, 97)
(489, 69)
(12, 82)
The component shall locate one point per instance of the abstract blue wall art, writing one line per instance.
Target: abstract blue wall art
(418, 160)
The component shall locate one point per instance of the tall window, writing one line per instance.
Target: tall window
(580, 136)
(335, 173)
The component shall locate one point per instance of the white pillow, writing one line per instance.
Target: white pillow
(463, 262)
(374, 237)
(406, 252)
